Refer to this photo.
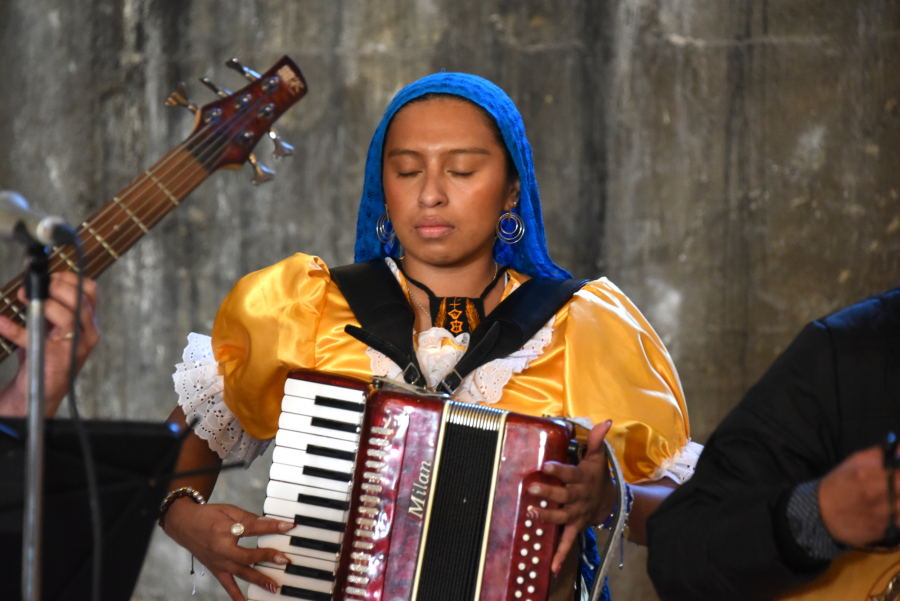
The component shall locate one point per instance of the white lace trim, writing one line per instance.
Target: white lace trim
(199, 386)
(681, 467)
(439, 351)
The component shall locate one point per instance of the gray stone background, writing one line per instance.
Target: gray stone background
(733, 166)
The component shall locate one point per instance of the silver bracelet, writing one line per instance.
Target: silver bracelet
(184, 491)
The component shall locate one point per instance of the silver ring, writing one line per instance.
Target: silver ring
(238, 530)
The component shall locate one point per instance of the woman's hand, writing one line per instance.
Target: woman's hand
(205, 531)
(587, 495)
(59, 311)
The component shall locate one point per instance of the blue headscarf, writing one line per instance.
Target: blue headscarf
(529, 255)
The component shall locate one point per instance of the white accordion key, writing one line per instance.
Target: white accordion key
(310, 390)
(308, 476)
(313, 408)
(323, 565)
(298, 440)
(293, 492)
(328, 536)
(284, 578)
(319, 426)
(297, 458)
(300, 546)
(289, 509)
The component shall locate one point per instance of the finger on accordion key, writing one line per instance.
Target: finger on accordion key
(320, 565)
(298, 545)
(311, 532)
(310, 579)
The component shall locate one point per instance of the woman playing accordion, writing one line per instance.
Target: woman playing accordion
(450, 205)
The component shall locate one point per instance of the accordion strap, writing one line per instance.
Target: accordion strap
(384, 314)
(386, 319)
(511, 324)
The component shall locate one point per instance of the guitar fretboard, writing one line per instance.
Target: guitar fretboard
(121, 222)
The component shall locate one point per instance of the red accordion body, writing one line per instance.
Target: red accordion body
(437, 505)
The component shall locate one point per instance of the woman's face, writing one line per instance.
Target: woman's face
(445, 182)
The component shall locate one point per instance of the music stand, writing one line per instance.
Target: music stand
(134, 463)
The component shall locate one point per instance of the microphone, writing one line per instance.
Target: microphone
(27, 226)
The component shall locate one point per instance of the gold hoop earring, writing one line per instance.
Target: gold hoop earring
(507, 234)
(384, 229)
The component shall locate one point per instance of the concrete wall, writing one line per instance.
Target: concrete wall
(731, 165)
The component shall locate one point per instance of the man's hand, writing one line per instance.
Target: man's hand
(59, 311)
(853, 499)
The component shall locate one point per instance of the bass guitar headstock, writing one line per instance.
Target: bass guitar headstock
(226, 131)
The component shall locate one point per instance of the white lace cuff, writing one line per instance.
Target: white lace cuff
(200, 386)
(680, 468)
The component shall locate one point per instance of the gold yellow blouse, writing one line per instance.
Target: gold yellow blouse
(604, 361)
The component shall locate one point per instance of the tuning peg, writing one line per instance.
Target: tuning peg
(180, 98)
(220, 91)
(261, 173)
(246, 72)
(282, 148)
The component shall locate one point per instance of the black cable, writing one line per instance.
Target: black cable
(89, 467)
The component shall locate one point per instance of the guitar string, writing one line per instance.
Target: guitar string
(196, 164)
(108, 207)
(199, 164)
(15, 309)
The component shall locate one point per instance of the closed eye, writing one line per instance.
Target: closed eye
(462, 173)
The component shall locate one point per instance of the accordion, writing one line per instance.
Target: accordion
(398, 494)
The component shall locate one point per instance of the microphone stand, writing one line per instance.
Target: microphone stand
(37, 288)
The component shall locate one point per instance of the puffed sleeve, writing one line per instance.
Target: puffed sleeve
(618, 368)
(266, 327)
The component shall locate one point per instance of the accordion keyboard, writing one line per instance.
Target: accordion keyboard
(310, 483)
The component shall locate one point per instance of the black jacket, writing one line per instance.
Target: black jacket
(834, 391)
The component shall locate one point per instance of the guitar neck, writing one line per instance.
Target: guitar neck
(121, 222)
